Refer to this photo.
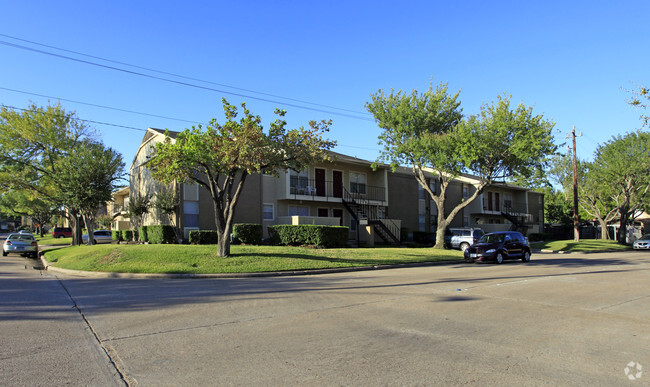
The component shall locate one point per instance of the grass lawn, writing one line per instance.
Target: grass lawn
(244, 259)
(582, 246)
(51, 241)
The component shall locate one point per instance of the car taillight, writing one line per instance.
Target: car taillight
(34, 243)
(7, 242)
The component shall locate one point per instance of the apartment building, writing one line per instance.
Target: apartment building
(377, 204)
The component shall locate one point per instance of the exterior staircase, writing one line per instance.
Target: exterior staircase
(521, 221)
(358, 206)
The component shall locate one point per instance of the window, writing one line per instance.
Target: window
(191, 192)
(299, 181)
(298, 211)
(191, 213)
(267, 212)
(507, 201)
(420, 192)
(421, 224)
(465, 221)
(465, 191)
(358, 183)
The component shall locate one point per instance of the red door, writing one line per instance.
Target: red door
(320, 182)
(337, 184)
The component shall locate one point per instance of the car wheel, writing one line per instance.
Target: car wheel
(61, 236)
(499, 258)
(526, 257)
(4, 253)
(464, 246)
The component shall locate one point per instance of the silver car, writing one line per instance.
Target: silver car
(99, 236)
(642, 243)
(23, 244)
(462, 238)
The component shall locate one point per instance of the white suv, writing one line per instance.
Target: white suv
(462, 238)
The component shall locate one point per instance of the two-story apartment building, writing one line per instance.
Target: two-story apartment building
(377, 204)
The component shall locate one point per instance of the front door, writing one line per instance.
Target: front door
(320, 182)
(337, 184)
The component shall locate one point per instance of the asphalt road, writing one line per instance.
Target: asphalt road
(577, 319)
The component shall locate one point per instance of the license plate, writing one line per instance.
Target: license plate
(473, 255)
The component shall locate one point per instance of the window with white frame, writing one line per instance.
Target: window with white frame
(268, 212)
(298, 211)
(190, 192)
(358, 183)
(191, 213)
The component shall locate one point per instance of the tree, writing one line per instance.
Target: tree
(641, 99)
(33, 142)
(26, 203)
(88, 178)
(138, 207)
(426, 131)
(167, 201)
(220, 158)
(622, 167)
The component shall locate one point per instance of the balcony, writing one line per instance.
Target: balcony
(301, 188)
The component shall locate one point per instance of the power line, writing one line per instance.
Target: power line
(140, 129)
(181, 82)
(178, 75)
(101, 106)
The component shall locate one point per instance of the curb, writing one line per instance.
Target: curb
(103, 274)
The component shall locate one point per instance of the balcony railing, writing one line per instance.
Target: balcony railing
(300, 186)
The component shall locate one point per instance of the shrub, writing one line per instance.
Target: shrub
(162, 233)
(144, 237)
(116, 235)
(127, 235)
(203, 237)
(306, 234)
(248, 233)
(424, 237)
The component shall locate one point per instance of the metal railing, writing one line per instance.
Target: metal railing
(311, 187)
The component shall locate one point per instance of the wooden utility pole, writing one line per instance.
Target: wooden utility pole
(576, 217)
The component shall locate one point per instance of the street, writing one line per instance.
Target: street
(562, 319)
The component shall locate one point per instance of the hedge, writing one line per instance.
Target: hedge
(144, 236)
(116, 235)
(307, 234)
(249, 233)
(162, 233)
(203, 237)
(127, 235)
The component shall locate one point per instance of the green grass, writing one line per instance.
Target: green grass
(585, 245)
(244, 259)
(51, 241)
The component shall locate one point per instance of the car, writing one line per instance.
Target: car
(642, 243)
(498, 246)
(25, 232)
(23, 244)
(62, 232)
(99, 236)
(462, 238)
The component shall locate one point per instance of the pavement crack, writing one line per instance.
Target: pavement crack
(112, 361)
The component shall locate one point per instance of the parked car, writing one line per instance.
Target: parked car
(642, 243)
(99, 236)
(462, 238)
(23, 244)
(61, 232)
(499, 246)
(25, 232)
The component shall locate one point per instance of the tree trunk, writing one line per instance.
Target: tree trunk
(604, 234)
(441, 228)
(223, 246)
(622, 228)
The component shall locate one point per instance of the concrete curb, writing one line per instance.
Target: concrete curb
(103, 274)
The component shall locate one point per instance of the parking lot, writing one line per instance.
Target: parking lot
(578, 319)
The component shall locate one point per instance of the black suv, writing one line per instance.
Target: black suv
(499, 246)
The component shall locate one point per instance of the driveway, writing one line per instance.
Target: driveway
(577, 319)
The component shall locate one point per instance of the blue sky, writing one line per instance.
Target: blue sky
(570, 60)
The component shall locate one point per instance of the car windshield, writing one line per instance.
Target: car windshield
(26, 237)
(645, 237)
(492, 238)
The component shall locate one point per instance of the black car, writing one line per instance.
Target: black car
(499, 246)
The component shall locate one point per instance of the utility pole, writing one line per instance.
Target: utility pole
(576, 218)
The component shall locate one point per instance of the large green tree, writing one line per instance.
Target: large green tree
(29, 204)
(427, 132)
(33, 143)
(88, 178)
(622, 168)
(221, 157)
